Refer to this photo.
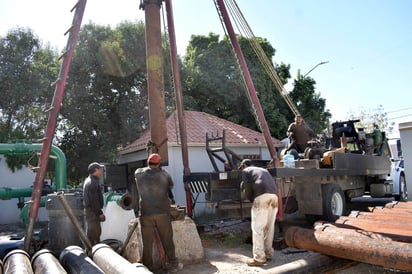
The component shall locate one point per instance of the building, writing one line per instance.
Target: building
(243, 141)
(405, 130)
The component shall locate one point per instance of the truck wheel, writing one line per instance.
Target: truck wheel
(334, 204)
(403, 191)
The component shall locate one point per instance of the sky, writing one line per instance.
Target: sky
(367, 44)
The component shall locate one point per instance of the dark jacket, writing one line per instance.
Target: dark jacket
(92, 195)
(153, 185)
(257, 181)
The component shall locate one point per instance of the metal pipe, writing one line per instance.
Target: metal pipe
(155, 79)
(44, 262)
(179, 104)
(261, 120)
(52, 121)
(389, 254)
(17, 261)
(111, 262)
(125, 201)
(75, 261)
(86, 242)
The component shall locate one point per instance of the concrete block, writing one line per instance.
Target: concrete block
(188, 245)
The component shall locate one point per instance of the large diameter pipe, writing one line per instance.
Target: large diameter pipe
(125, 201)
(83, 237)
(111, 262)
(44, 262)
(389, 254)
(155, 79)
(75, 261)
(17, 261)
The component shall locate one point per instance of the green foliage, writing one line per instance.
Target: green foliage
(213, 84)
(26, 72)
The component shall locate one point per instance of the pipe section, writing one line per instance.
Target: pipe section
(44, 262)
(389, 254)
(17, 261)
(55, 153)
(125, 201)
(111, 262)
(75, 261)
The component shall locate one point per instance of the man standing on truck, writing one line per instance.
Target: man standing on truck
(260, 188)
(299, 134)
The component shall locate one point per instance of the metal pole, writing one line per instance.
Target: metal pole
(254, 98)
(155, 79)
(321, 63)
(52, 122)
(179, 103)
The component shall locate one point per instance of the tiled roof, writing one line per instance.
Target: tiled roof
(197, 125)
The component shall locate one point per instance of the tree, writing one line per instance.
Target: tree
(26, 73)
(214, 85)
(310, 104)
(105, 106)
(369, 118)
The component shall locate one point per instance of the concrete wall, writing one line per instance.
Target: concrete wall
(22, 178)
(405, 130)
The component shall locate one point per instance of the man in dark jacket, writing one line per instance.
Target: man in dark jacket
(261, 190)
(93, 202)
(154, 186)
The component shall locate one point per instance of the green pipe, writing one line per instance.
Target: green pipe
(125, 200)
(55, 153)
(7, 193)
(24, 214)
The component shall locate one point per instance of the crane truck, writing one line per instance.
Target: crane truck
(351, 163)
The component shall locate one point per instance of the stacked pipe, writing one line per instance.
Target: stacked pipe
(381, 237)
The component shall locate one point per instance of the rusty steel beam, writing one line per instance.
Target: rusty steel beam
(389, 254)
(397, 228)
(155, 80)
(349, 230)
(397, 216)
(399, 205)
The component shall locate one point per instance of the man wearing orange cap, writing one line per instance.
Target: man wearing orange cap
(154, 186)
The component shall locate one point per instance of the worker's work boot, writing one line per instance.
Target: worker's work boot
(253, 262)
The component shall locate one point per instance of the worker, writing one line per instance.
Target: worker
(93, 202)
(299, 134)
(154, 186)
(259, 187)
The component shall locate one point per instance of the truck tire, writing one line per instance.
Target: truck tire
(334, 204)
(403, 191)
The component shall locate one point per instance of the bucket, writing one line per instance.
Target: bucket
(62, 232)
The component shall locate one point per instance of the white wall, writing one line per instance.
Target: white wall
(405, 130)
(199, 162)
(19, 179)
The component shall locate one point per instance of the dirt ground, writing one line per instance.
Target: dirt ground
(228, 247)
